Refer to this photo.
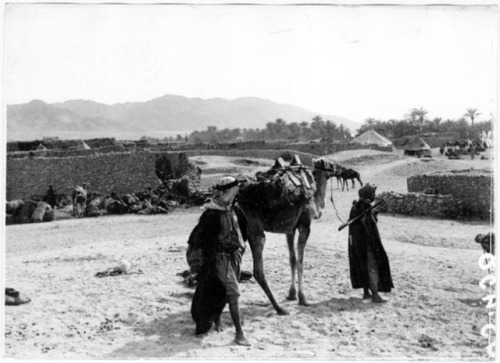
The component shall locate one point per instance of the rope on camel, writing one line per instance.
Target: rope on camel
(333, 203)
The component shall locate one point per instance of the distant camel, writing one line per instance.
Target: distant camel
(337, 176)
(349, 174)
(43, 213)
(13, 211)
(94, 205)
(14, 206)
(26, 212)
(279, 216)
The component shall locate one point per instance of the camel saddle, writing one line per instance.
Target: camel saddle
(281, 185)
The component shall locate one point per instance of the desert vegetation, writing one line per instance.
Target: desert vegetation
(415, 122)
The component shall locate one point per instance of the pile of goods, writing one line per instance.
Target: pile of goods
(280, 186)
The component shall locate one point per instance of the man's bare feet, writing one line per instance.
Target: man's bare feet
(377, 299)
(241, 340)
(366, 295)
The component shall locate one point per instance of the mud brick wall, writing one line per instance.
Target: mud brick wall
(119, 172)
(314, 148)
(473, 187)
(420, 204)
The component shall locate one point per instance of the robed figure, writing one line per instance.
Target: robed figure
(216, 247)
(368, 261)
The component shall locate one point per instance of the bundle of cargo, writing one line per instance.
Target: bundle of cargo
(280, 186)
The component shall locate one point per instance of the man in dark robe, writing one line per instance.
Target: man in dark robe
(368, 262)
(50, 197)
(216, 246)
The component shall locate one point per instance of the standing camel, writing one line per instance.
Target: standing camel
(279, 216)
(349, 174)
(338, 177)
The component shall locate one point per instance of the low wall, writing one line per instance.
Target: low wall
(119, 172)
(471, 186)
(420, 204)
(287, 155)
(315, 148)
(58, 144)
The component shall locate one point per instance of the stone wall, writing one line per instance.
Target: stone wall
(119, 172)
(60, 153)
(420, 204)
(315, 148)
(58, 144)
(287, 155)
(473, 187)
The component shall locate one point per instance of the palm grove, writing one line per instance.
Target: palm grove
(413, 123)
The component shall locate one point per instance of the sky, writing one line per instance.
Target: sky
(351, 61)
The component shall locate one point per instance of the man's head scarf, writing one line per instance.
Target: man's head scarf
(367, 191)
(224, 193)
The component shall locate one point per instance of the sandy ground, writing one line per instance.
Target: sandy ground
(434, 312)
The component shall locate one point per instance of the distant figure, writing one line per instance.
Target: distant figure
(487, 242)
(79, 198)
(50, 197)
(472, 151)
(368, 262)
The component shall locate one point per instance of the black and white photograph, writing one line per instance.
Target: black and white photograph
(249, 181)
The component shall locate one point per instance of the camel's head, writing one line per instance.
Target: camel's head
(323, 169)
(325, 166)
(41, 209)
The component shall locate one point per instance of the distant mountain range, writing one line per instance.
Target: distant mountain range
(156, 118)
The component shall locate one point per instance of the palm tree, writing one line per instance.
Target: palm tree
(329, 128)
(472, 113)
(417, 118)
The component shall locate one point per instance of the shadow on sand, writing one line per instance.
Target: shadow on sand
(175, 333)
(162, 337)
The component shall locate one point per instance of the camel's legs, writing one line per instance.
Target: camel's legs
(303, 236)
(257, 242)
(346, 185)
(292, 294)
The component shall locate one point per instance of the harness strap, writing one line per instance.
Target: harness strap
(333, 203)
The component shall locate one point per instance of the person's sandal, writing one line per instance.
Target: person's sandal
(13, 298)
(10, 291)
